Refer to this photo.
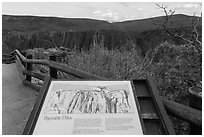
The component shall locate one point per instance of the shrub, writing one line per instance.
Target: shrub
(112, 64)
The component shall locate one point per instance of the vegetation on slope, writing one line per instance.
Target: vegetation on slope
(174, 68)
(26, 32)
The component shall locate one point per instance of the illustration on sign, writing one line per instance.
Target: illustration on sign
(98, 100)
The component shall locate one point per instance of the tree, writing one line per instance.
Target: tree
(167, 23)
(179, 67)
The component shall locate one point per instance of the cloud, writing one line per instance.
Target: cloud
(125, 4)
(191, 5)
(140, 9)
(96, 12)
(112, 16)
(178, 6)
(108, 15)
(146, 15)
(130, 17)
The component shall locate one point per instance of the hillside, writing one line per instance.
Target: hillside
(45, 24)
(179, 20)
(36, 23)
(25, 32)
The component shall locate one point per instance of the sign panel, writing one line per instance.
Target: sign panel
(89, 107)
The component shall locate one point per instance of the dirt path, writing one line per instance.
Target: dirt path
(17, 100)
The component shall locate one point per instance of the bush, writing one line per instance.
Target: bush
(112, 64)
(177, 68)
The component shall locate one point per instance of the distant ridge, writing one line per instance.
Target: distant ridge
(25, 32)
(41, 23)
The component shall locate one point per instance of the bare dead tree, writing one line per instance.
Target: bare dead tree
(195, 28)
(166, 25)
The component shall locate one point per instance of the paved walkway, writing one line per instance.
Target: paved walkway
(17, 100)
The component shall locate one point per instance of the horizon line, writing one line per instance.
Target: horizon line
(90, 18)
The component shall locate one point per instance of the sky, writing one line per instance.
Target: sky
(109, 11)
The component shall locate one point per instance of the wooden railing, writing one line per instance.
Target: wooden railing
(186, 113)
(7, 58)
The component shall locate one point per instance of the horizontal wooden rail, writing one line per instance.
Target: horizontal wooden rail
(183, 112)
(27, 83)
(34, 74)
(67, 69)
(6, 56)
(7, 59)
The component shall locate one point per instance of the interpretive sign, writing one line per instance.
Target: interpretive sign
(88, 107)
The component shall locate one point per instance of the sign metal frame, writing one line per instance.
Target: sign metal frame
(148, 121)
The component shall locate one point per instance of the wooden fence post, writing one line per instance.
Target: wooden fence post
(53, 71)
(195, 101)
(24, 54)
(29, 68)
